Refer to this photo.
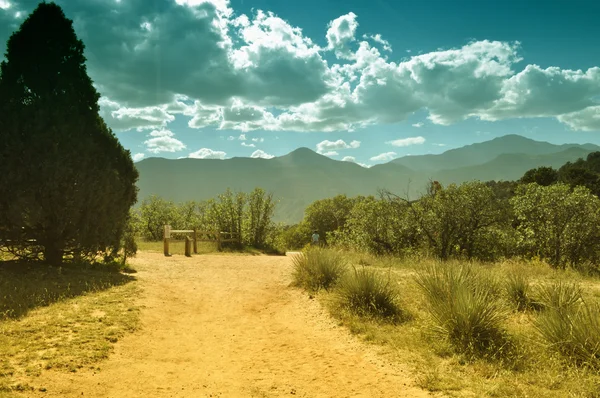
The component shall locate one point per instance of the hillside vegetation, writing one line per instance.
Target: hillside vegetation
(303, 176)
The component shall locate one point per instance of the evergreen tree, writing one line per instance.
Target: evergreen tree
(67, 183)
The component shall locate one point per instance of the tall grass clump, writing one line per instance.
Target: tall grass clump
(574, 332)
(465, 309)
(560, 295)
(368, 293)
(318, 268)
(518, 290)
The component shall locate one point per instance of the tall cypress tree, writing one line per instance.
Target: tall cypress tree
(66, 182)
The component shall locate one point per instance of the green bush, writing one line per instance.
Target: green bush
(318, 268)
(465, 309)
(573, 331)
(518, 290)
(366, 292)
(559, 295)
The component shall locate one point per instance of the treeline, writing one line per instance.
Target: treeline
(550, 214)
(246, 216)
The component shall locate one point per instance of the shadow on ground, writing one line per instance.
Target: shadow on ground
(26, 286)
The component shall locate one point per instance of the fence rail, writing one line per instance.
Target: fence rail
(197, 236)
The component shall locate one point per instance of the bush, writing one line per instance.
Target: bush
(518, 290)
(573, 331)
(318, 268)
(465, 309)
(365, 292)
(559, 296)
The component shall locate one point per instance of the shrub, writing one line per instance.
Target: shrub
(464, 308)
(518, 290)
(573, 331)
(366, 292)
(318, 268)
(559, 296)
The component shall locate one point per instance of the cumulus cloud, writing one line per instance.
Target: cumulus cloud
(587, 119)
(258, 139)
(163, 141)
(384, 156)
(418, 125)
(206, 153)
(242, 137)
(341, 31)
(248, 145)
(261, 154)
(349, 159)
(138, 156)
(407, 141)
(327, 145)
(330, 153)
(226, 70)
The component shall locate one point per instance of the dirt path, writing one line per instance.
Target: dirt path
(230, 326)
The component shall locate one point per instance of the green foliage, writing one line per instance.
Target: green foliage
(558, 224)
(378, 226)
(458, 221)
(67, 182)
(542, 176)
(258, 217)
(293, 237)
(155, 213)
(584, 173)
(318, 268)
(328, 215)
(573, 331)
(465, 309)
(366, 292)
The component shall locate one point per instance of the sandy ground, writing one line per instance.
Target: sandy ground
(230, 326)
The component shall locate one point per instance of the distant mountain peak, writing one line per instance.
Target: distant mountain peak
(304, 154)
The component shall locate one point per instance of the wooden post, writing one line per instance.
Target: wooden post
(195, 241)
(166, 237)
(188, 247)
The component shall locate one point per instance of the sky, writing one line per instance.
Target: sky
(365, 81)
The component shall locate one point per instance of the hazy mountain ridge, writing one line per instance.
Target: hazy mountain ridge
(303, 176)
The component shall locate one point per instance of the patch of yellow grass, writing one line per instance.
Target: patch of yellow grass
(60, 318)
(437, 367)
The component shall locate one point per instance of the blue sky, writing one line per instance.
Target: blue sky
(364, 81)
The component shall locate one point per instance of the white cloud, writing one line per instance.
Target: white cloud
(407, 141)
(248, 145)
(349, 159)
(418, 125)
(258, 139)
(261, 154)
(230, 138)
(330, 153)
(242, 137)
(341, 31)
(439, 144)
(206, 153)
(378, 39)
(252, 72)
(587, 119)
(384, 156)
(5, 4)
(138, 156)
(163, 141)
(327, 145)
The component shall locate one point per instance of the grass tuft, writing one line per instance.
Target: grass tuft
(518, 289)
(318, 268)
(367, 293)
(560, 295)
(465, 309)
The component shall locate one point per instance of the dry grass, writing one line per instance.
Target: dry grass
(533, 370)
(62, 318)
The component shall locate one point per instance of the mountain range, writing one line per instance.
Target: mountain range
(303, 176)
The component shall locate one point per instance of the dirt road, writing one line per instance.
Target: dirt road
(229, 326)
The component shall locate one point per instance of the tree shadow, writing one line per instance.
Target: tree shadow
(27, 286)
